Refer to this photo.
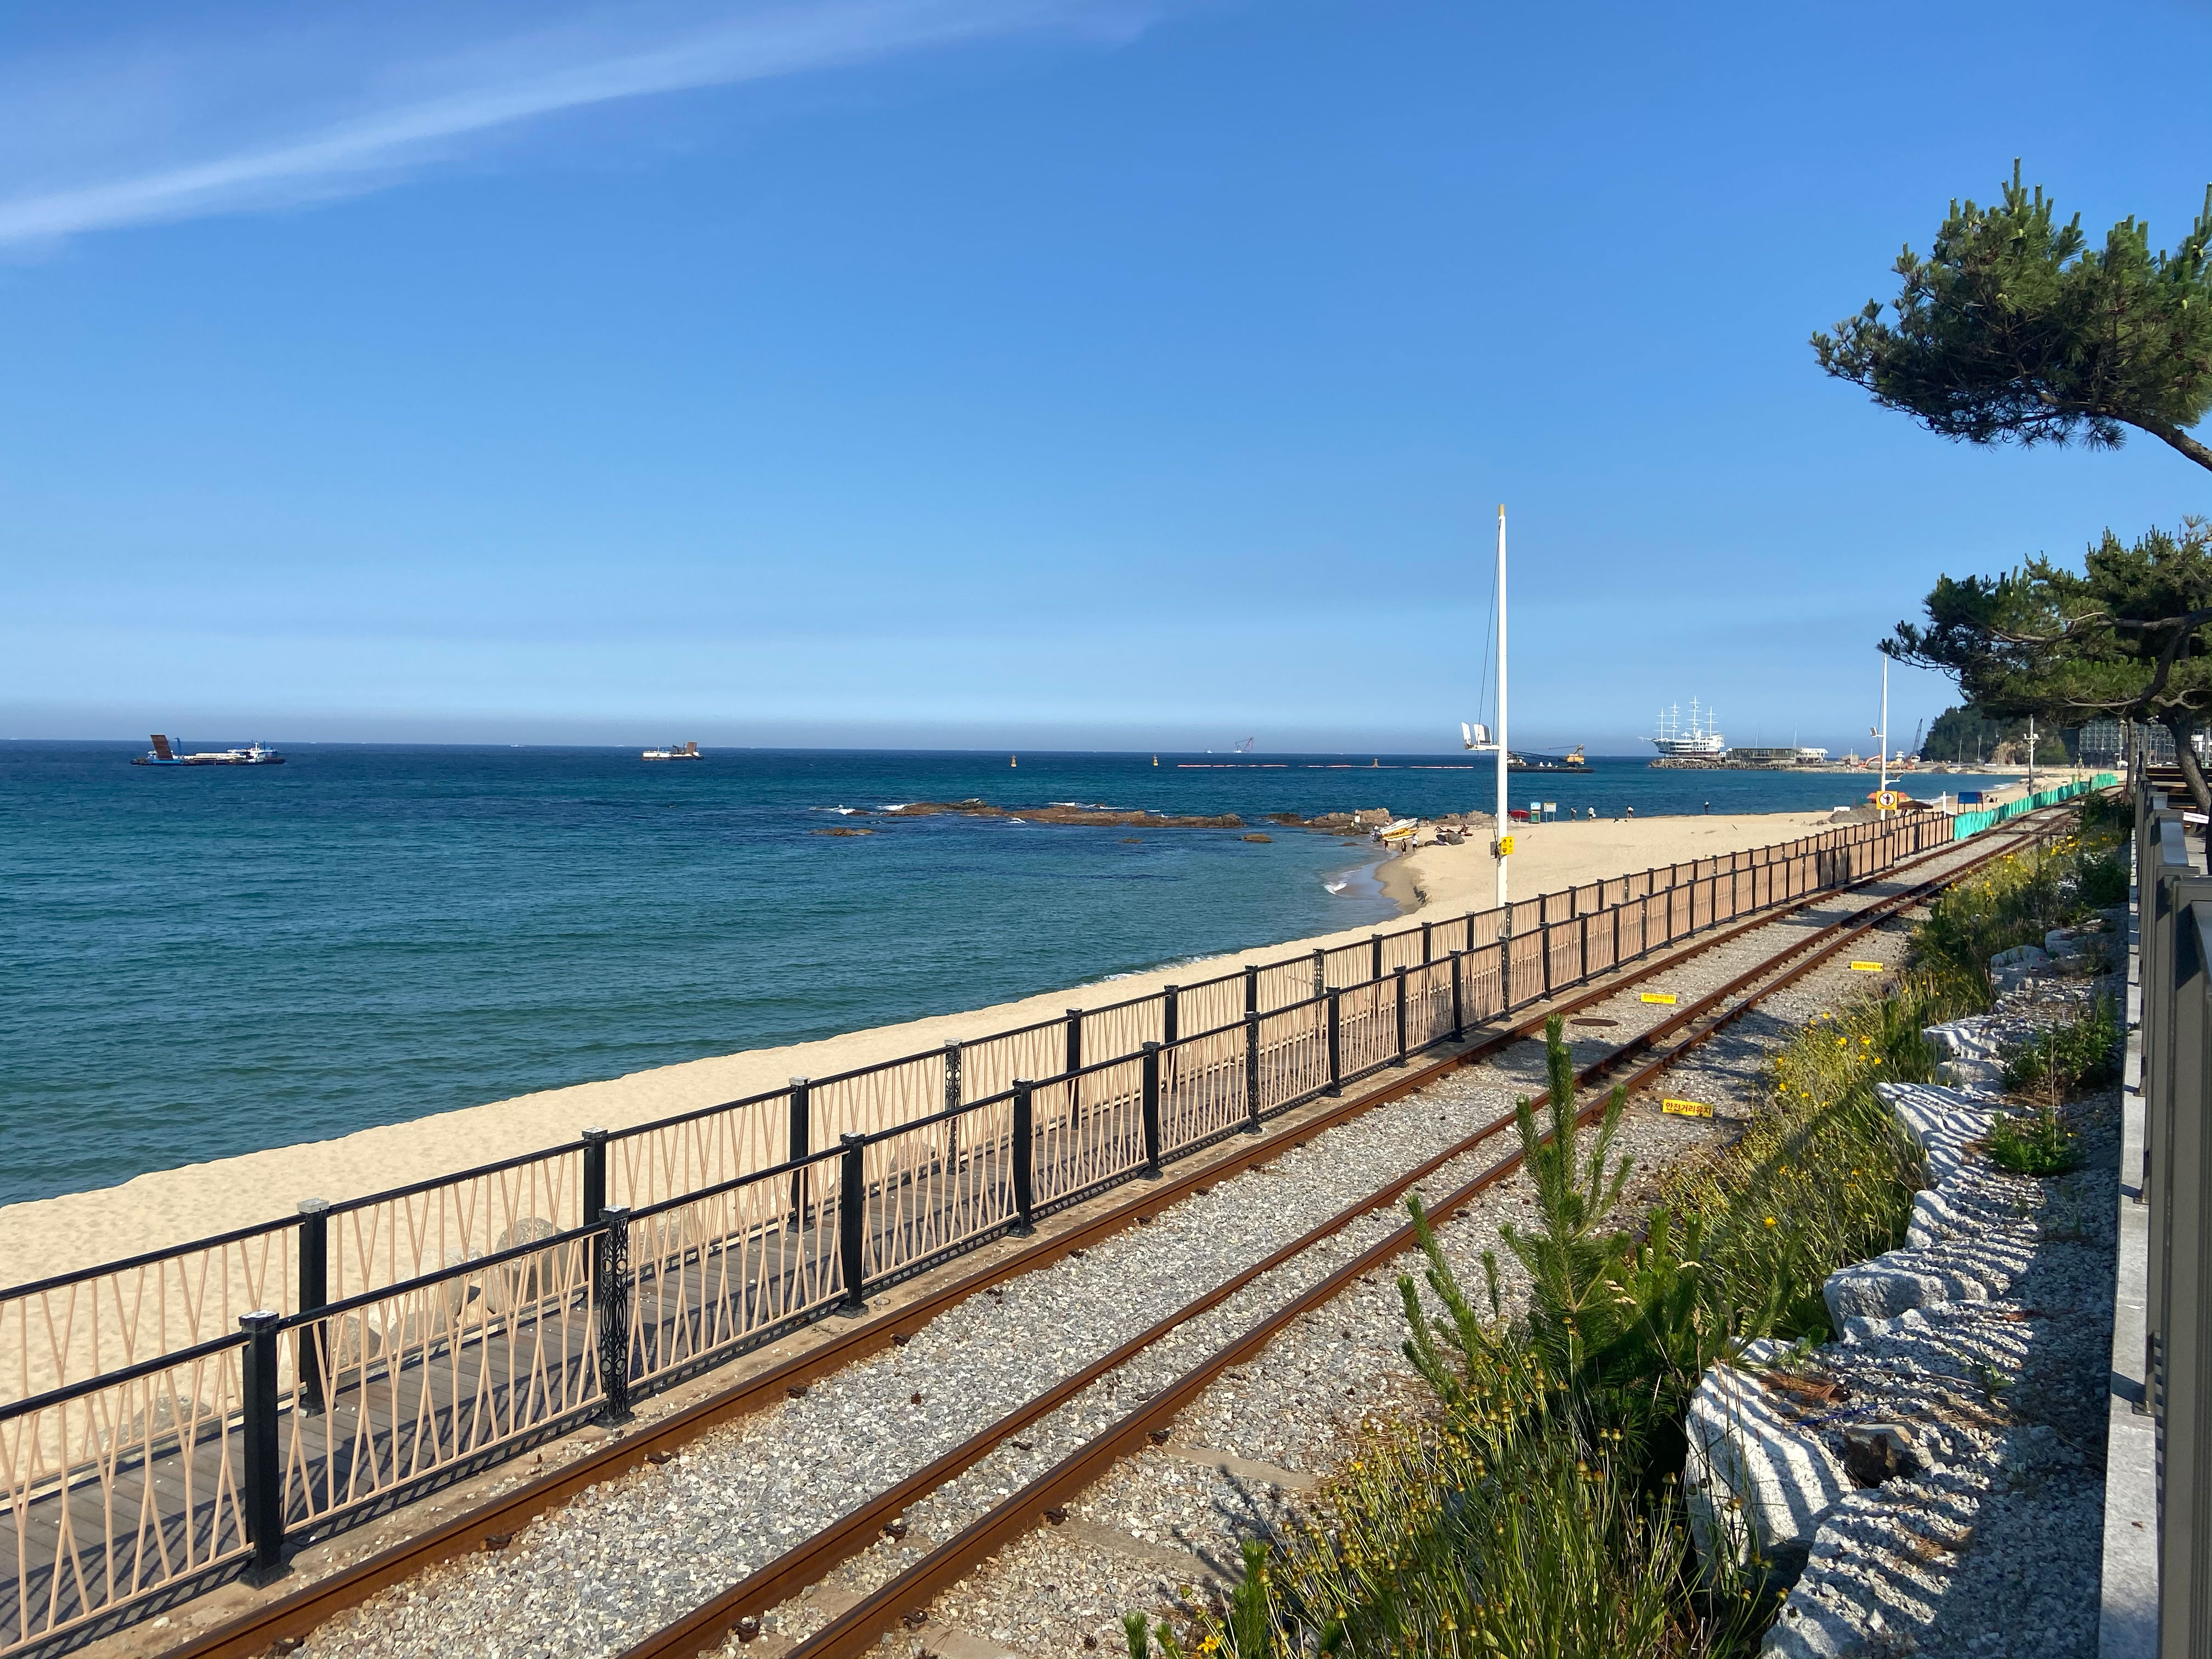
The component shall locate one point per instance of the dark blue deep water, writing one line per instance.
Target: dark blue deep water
(200, 961)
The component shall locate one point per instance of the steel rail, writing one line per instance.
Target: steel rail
(297, 1614)
(856, 1630)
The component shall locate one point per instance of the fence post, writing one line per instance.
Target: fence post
(1459, 997)
(1074, 1040)
(1336, 1042)
(1252, 1073)
(797, 1142)
(263, 1469)
(853, 1219)
(1428, 943)
(1617, 910)
(1251, 988)
(614, 1315)
(1170, 1007)
(595, 1174)
(314, 1293)
(952, 1099)
(1399, 974)
(1544, 951)
(1375, 956)
(1024, 1151)
(1151, 1169)
(1582, 958)
(1321, 970)
(1505, 959)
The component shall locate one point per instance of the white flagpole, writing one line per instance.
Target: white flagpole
(1885, 722)
(1504, 823)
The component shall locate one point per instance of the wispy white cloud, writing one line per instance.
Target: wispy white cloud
(502, 84)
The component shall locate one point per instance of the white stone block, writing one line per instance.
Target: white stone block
(1755, 1475)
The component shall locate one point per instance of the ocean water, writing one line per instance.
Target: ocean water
(199, 962)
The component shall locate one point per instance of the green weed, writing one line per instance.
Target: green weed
(2035, 1144)
(2084, 1054)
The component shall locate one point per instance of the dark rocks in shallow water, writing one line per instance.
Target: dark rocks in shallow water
(1089, 816)
(844, 832)
(1255, 836)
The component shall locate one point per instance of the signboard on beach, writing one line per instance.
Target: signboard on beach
(1506, 847)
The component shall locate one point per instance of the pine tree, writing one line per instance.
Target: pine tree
(2014, 329)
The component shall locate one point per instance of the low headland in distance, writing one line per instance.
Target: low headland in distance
(1078, 917)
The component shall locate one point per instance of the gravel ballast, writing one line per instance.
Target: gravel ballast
(639, 1550)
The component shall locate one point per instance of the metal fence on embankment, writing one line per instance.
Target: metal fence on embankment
(2174, 952)
(179, 1418)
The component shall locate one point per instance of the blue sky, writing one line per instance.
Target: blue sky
(1077, 373)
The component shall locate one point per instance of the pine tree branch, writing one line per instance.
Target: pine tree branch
(2175, 436)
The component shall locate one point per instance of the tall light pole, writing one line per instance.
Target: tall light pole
(1503, 821)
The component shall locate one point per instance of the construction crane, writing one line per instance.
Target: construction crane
(1245, 747)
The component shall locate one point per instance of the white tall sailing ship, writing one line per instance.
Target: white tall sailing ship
(1700, 739)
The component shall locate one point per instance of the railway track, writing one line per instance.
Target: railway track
(1635, 1062)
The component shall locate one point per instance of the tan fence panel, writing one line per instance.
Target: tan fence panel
(388, 1241)
(1293, 1054)
(1088, 1130)
(700, 1149)
(118, 1492)
(110, 1319)
(423, 1379)
(1202, 1088)
(712, 1270)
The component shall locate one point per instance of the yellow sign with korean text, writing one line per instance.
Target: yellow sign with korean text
(1866, 966)
(1666, 997)
(1687, 1107)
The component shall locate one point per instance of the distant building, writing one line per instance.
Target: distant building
(2104, 743)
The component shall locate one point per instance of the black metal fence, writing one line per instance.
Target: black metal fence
(184, 1416)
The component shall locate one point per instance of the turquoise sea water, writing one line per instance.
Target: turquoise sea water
(200, 961)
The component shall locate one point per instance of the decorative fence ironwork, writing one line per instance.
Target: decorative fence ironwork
(185, 1416)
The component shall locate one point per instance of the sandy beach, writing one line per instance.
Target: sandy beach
(172, 1206)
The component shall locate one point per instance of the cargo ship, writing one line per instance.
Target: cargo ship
(1572, 761)
(259, 754)
(674, 751)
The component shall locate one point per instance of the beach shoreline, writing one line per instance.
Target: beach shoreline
(163, 1209)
